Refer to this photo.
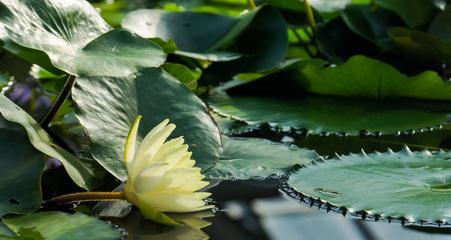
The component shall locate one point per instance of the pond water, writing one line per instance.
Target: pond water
(255, 209)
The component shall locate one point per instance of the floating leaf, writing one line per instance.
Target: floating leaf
(322, 115)
(361, 76)
(22, 166)
(408, 186)
(75, 38)
(107, 106)
(58, 225)
(79, 171)
(247, 158)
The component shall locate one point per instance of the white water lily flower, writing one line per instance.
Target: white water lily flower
(161, 174)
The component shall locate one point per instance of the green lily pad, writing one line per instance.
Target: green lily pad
(107, 107)
(59, 225)
(322, 115)
(407, 186)
(79, 171)
(22, 168)
(361, 76)
(247, 158)
(75, 38)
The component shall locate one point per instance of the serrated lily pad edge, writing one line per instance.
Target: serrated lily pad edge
(303, 132)
(291, 193)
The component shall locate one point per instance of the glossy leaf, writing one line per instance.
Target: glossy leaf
(183, 74)
(59, 225)
(321, 115)
(247, 158)
(75, 38)
(361, 76)
(405, 185)
(107, 107)
(182, 27)
(78, 170)
(23, 165)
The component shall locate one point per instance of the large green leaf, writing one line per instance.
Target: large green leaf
(192, 32)
(247, 158)
(22, 167)
(322, 115)
(440, 27)
(361, 76)
(415, 17)
(107, 106)
(59, 225)
(414, 186)
(79, 171)
(259, 35)
(75, 38)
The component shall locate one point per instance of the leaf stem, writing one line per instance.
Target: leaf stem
(251, 4)
(310, 15)
(45, 120)
(87, 196)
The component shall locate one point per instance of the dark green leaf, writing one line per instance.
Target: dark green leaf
(420, 46)
(415, 17)
(321, 115)
(58, 225)
(411, 185)
(107, 107)
(79, 171)
(22, 167)
(371, 23)
(247, 158)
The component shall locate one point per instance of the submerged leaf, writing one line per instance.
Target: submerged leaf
(408, 186)
(107, 107)
(322, 115)
(247, 158)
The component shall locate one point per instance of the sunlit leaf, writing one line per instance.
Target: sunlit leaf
(107, 106)
(361, 76)
(75, 38)
(59, 225)
(414, 186)
(247, 158)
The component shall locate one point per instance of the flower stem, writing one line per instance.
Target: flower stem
(310, 15)
(45, 120)
(88, 196)
(251, 4)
